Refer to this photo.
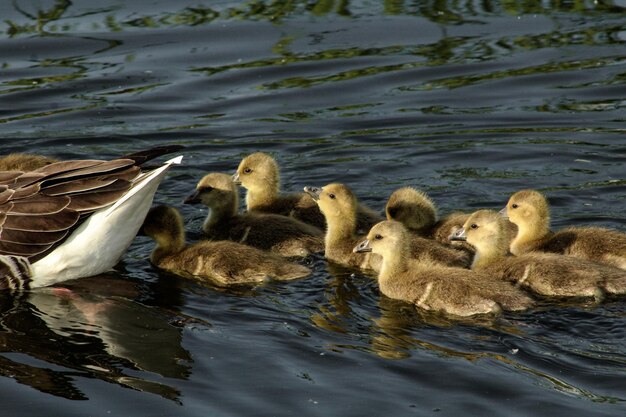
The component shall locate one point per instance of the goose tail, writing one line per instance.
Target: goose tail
(149, 154)
(99, 242)
(149, 179)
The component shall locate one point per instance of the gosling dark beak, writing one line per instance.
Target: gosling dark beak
(236, 179)
(504, 213)
(314, 192)
(192, 199)
(362, 247)
(459, 235)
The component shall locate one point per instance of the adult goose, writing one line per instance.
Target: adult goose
(73, 219)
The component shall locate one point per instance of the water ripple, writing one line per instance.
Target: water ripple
(469, 101)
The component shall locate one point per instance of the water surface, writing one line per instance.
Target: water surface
(468, 101)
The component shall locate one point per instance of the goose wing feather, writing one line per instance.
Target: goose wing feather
(38, 209)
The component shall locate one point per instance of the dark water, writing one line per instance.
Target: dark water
(469, 101)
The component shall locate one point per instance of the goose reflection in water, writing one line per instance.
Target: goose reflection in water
(391, 330)
(90, 332)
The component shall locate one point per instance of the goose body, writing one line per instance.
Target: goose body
(283, 235)
(223, 262)
(259, 174)
(530, 211)
(547, 274)
(434, 287)
(72, 219)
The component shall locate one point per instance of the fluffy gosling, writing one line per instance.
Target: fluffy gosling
(221, 262)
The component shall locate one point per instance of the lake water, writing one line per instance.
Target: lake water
(469, 101)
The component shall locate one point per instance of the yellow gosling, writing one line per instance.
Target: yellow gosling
(434, 287)
(259, 174)
(547, 274)
(24, 162)
(221, 262)
(282, 235)
(418, 213)
(529, 210)
(339, 205)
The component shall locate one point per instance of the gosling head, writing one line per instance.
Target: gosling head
(484, 229)
(528, 207)
(213, 190)
(258, 172)
(411, 207)
(385, 238)
(163, 224)
(334, 200)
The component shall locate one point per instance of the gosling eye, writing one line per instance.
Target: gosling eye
(474, 226)
(247, 170)
(331, 196)
(514, 206)
(393, 211)
(378, 237)
(206, 189)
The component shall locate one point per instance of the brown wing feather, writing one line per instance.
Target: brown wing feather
(36, 205)
(17, 249)
(26, 179)
(78, 186)
(25, 192)
(27, 237)
(36, 222)
(128, 174)
(88, 202)
(8, 177)
(48, 222)
(70, 170)
(6, 194)
(94, 170)
(68, 166)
